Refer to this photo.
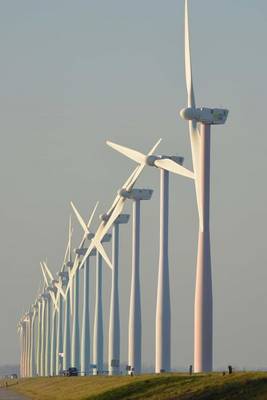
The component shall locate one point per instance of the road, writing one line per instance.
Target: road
(9, 395)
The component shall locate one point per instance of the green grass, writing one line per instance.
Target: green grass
(239, 386)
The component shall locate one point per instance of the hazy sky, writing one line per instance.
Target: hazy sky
(75, 73)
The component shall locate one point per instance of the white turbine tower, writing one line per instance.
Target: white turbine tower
(75, 340)
(114, 314)
(23, 347)
(33, 341)
(20, 332)
(28, 341)
(39, 336)
(56, 292)
(135, 322)
(163, 309)
(51, 310)
(200, 121)
(98, 341)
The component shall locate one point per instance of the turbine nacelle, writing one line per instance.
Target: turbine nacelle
(90, 236)
(63, 275)
(81, 251)
(136, 194)
(69, 264)
(208, 116)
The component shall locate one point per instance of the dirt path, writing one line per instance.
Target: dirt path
(6, 394)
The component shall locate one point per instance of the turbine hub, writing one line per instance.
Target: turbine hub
(104, 217)
(150, 160)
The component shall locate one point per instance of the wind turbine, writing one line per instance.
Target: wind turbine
(53, 336)
(98, 319)
(39, 336)
(85, 346)
(23, 346)
(44, 298)
(55, 290)
(20, 332)
(33, 341)
(165, 164)
(114, 317)
(28, 341)
(62, 284)
(67, 339)
(200, 121)
(50, 323)
(75, 340)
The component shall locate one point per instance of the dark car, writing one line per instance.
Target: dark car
(70, 372)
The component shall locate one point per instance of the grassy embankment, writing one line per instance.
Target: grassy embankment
(239, 386)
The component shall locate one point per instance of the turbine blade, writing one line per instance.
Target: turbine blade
(71, 295)
(140, 168)
(188, 65)
(79, 218)
(92, 216)
(195, 144)
(130, 153)
(60, 290)
(103, 253)
(65, 258)
(154, 147)
(172, 166)
(48, 271)
(124, 186)
(44, 274)
(70, 234)
(132, 178)
(117, 211)
(52, 295)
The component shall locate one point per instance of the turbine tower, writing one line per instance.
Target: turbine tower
(135, 322)
(85, 346)
(62, 284)
(39, 336)
(51, 325)
(43, 332)
(98, 341)
(48, 335)
(114, 316)
(163, 308)
(33, 341)
(75, 341)
(200, 121)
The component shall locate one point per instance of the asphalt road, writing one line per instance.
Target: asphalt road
(9, 395)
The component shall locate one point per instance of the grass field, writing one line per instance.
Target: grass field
(239, 386)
